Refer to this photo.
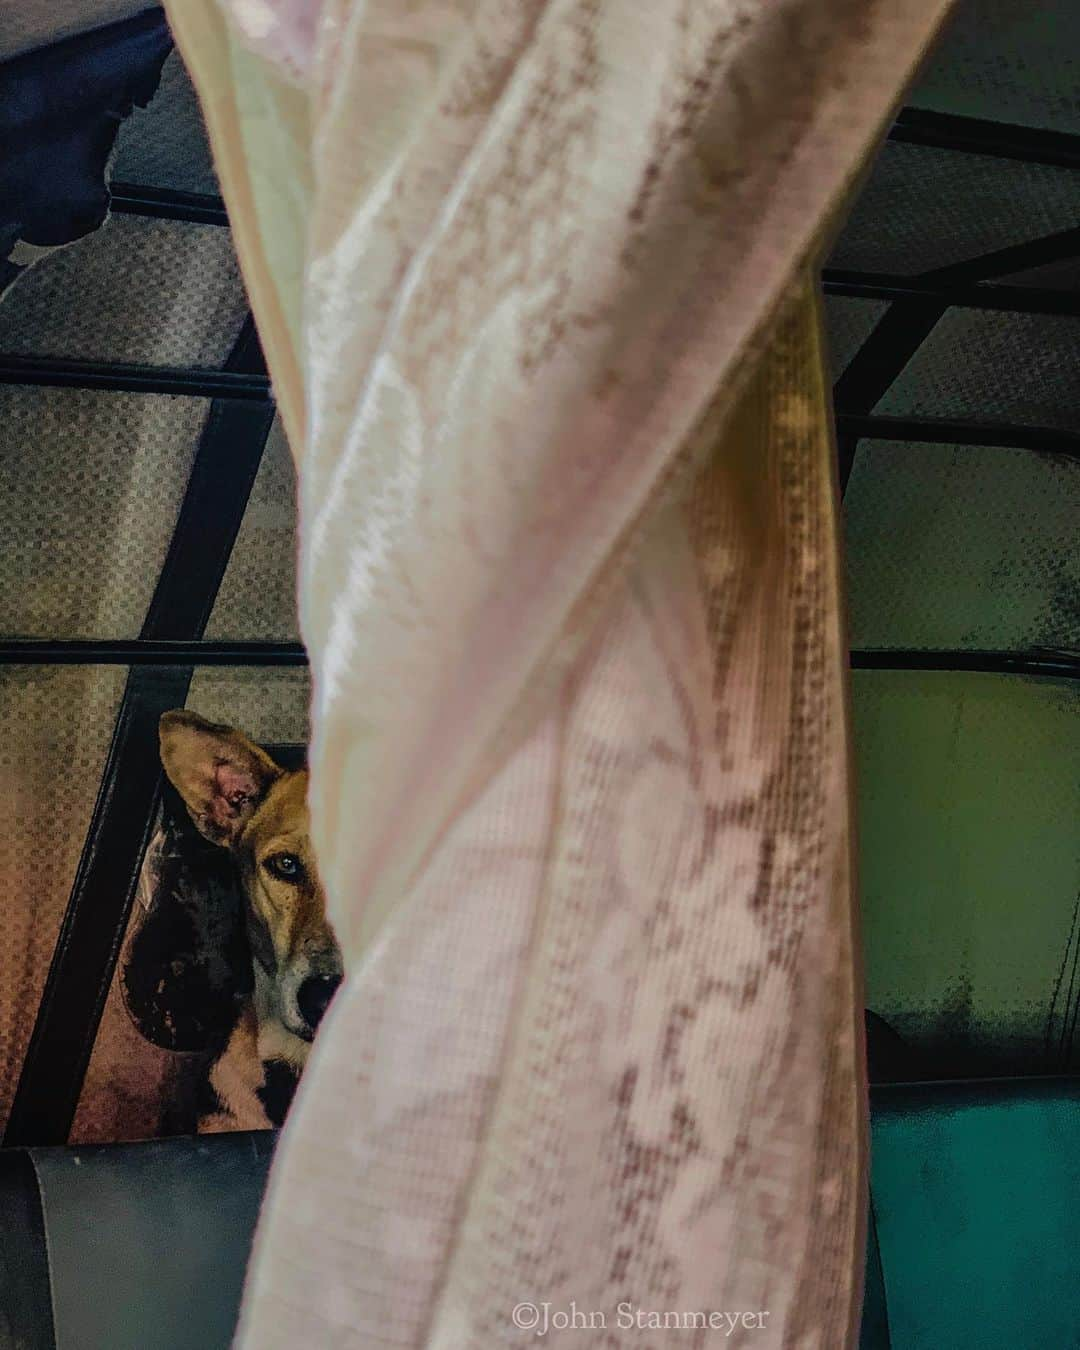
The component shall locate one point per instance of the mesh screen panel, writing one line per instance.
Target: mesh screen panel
(164, 144)
(848, 323)
(90, 488)
(1007, 61)
(994, 367)
(159, 292)
(268, 705)
(55, 727)
(970, 866)
(924, 208)
(36, 23)
(958, 547)
(257, 599)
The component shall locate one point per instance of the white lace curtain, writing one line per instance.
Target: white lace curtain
(535, 281)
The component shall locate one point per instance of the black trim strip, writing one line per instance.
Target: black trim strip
(139, 199)
(120, 378)
(93, 927)
(1042, 1084)
(979, 136)
(26, 1313)
(908, 323)
(877, 1334)
(899, 334)
(1003, 299)
(82, 968)
(1051, 665)
(172, 655)
(142, 652)
(944, 431)
(1004, 262)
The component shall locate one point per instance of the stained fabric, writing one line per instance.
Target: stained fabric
(59, 114)
(535, 295)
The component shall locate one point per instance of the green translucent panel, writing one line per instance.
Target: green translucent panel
(848, 323)
(993, 367)
(969, 798)
(1006, 60)
(957, 547)
(922, 208)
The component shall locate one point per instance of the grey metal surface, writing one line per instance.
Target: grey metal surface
(148, 1243)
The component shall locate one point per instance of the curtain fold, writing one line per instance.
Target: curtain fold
(536, 288)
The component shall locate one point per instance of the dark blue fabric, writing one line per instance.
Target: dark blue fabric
(60, 109)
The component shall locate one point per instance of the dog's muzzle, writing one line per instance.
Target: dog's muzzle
(313, 997)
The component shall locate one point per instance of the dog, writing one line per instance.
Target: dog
(244, 803)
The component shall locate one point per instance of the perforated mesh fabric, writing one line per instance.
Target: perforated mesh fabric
(1009, 61)
(848, 323)
(954, 547)
(164, 144)
(924, 208)
(268, 704)
(159, 292)
(55, 727)
(257, 598)
(968, 802)
(1020, 368)
(90, 488)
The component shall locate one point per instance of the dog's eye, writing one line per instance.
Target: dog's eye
(287, 866)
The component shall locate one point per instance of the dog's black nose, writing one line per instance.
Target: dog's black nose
(314, 995)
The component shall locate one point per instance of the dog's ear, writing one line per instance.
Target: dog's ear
(220, 774)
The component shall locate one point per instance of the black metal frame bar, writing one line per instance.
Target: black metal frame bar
(945, 431)
(88, 947)
(919, 302)
(1010, 260)
(146, 652)
(1002, 299)
(978, 136)
(119, 377)
(899, 334)
(1048, 665)
(170, 655)
(196, 208)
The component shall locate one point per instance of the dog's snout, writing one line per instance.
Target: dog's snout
(314, 995)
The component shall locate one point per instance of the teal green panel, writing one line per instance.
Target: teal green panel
(976, 1199)
(148, 1243)
(969, 803)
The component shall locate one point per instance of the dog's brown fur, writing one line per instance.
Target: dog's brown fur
(239, 798)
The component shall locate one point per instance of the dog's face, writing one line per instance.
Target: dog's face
(240, 799)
